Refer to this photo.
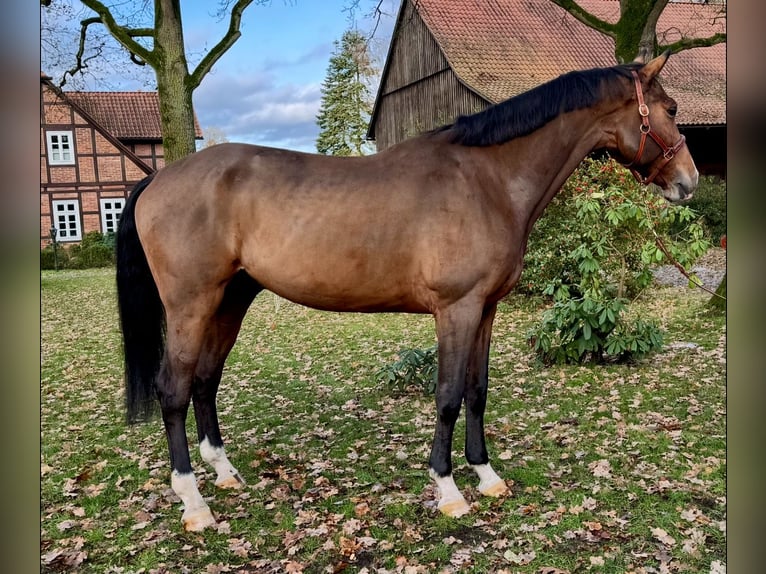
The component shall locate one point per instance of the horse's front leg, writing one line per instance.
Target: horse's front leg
(477, 378)
(456, 330)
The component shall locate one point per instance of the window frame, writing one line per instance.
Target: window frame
(105, 211)
(68, 234)
(60, 147)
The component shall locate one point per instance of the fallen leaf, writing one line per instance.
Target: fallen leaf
(601, 468)
(520, 559)
(239, 547)
(361, 509)
(717, 567)
(66, 525)
(293, 566)
(663, 537)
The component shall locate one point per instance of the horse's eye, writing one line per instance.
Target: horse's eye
(672, 111)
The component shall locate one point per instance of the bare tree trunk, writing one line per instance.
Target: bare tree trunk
(718, 301)
(636, 30)
(635, 33)
(176, 110)
(167, 57)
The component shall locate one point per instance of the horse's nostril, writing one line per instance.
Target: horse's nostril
(685, 191)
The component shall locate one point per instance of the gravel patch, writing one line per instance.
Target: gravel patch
(710, 268)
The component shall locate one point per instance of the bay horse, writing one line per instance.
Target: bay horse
(436, 224)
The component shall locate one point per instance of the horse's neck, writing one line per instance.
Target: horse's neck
(539, 164)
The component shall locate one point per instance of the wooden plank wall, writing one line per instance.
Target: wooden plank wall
(420, 90)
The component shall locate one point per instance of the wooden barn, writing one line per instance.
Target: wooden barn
(454, 57)
(94, 147)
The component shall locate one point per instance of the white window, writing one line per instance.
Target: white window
(110, 214)
(66, 218)
(60, 148)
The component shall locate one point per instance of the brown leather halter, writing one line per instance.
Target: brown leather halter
(668, 153)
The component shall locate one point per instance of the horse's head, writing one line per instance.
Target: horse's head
(648, 140)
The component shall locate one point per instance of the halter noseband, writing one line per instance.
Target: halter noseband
(668, 153)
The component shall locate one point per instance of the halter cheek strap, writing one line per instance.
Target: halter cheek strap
(668, 152)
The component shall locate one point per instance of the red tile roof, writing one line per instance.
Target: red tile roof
(500, 48)
(127, 115)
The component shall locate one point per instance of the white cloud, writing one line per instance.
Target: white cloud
(258, 109)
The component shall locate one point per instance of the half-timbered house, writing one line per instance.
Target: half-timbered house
(94, 147)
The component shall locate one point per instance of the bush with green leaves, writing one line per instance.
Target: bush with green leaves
(414, 367)
(593, 250)
(709, 201)
(95, 250)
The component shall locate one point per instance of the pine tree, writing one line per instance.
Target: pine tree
(346, 98)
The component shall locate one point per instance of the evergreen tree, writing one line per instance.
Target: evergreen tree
(346, 98)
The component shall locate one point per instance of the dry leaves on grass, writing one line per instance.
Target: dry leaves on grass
(337, 465)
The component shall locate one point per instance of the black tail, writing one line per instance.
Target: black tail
(142, 316)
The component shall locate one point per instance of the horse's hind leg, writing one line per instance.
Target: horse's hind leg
(186, 327)
(220, 337)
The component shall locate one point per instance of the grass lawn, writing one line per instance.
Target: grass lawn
(615, 469)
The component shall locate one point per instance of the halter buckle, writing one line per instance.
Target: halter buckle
(645, 128)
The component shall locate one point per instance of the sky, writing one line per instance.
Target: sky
(266, 88)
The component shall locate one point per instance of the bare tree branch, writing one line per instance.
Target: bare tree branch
(215, 53)
(377, 14)
(122, 34)
(649, 33)
(586, 17)
(80, 61)
(686, 43)
(140, 32)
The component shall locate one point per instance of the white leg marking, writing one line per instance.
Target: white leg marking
(196, 514)
(451, 501)
(228, 477)
(489, 483)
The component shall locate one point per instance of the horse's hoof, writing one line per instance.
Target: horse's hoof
(198, 520)
(495, 489)
(235, 481)
(455, 508)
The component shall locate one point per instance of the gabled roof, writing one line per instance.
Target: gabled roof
(127, 115)
(500, 48)
(110, 137)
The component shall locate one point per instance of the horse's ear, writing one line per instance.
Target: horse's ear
(653, 67)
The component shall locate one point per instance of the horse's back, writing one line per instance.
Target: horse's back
(382, 232)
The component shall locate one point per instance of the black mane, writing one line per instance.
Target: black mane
(527, 112)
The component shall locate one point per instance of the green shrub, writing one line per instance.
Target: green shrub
(602, 201)
(94, 255)
(709, 201)
(592, 330)
(95, 250)
(47, 260)
(592, 250)
(414, 367)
